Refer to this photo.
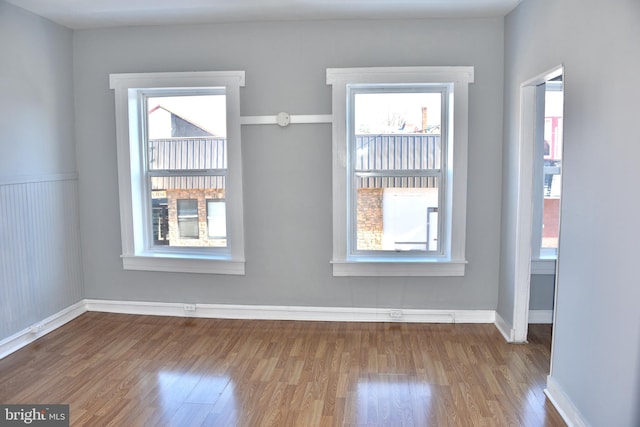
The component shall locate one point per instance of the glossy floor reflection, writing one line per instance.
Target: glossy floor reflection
(189, 399)
(125, 370)
(391, 400)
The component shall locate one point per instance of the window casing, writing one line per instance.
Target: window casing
(163, 200)
(442, 173)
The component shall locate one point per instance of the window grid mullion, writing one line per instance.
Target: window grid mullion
(187, 172)
(399, 173)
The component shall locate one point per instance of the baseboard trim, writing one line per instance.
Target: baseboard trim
(563, 404)
(507, 331)
(541, 316)
(26, 336)
(252, 312)
(324, 314)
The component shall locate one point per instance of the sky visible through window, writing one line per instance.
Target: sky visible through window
(206, 111)
(384, 113)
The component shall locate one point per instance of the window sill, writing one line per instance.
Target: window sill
(543, 266)
(183, 264)
(399, 268)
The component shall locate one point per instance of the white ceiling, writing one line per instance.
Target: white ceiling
(83, 14)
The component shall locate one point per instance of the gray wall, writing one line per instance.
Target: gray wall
(596, 351)
(287, 172)
(541, 292)
(36, 106)
(40, 272)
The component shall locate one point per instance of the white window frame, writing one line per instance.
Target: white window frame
(451, 262)
(137, 251)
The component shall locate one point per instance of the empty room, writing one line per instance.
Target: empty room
(301, 213)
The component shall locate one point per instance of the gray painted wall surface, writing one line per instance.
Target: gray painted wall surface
(287, 172)
(542, 292)
(40, 271)
(596, 353)
(36, 106)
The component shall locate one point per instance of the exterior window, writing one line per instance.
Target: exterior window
(186, 146)
(396, 154)
(547, 176)
(399, 176)
(188, 219)
(216, 219)
(179, 148)
(552, 167)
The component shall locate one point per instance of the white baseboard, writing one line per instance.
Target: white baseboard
(563, 404)
(256, 312)
(541, 316)
(20, 339)
(507, 331)
(260, 312)
(554, 392)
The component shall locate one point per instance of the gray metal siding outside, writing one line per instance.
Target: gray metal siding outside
(406, 152)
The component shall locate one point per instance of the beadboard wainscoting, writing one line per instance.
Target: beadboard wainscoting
(40, 257)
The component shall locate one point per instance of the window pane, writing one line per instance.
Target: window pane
(552, 170)
(188, 219)
(187, 132)
(186, 116)
(160, 217)
(175, 215)
(398, 131)
(187, 164)
(397, 214)
(216, 219)
(397, 152)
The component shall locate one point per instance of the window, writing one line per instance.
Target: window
(399, 170)
(188, 219)
(216, 219)
(547, 176)
(179, 149)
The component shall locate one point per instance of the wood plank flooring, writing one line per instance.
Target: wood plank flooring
(128, 370)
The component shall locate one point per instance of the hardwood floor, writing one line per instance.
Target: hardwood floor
(128, 370)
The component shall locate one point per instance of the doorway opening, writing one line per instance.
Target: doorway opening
(538, 203)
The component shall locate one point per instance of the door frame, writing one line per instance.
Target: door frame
(524, 201)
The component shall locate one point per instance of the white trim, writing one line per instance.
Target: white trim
(300, 313)
(507, 332)
(252, 312)
(563, 404)
(524, 205)
(125, 81)
(524, 213)
(384, 75)
(30, 179)
(398, 269)
(25, 337)
(136, 251)
(541, 317)
(184, 264)
(295, 119)
(346, 264)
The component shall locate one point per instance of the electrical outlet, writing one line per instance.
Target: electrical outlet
(37, 328)
(395, 314)
(189, 307)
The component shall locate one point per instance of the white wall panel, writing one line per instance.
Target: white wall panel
(40, 260)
